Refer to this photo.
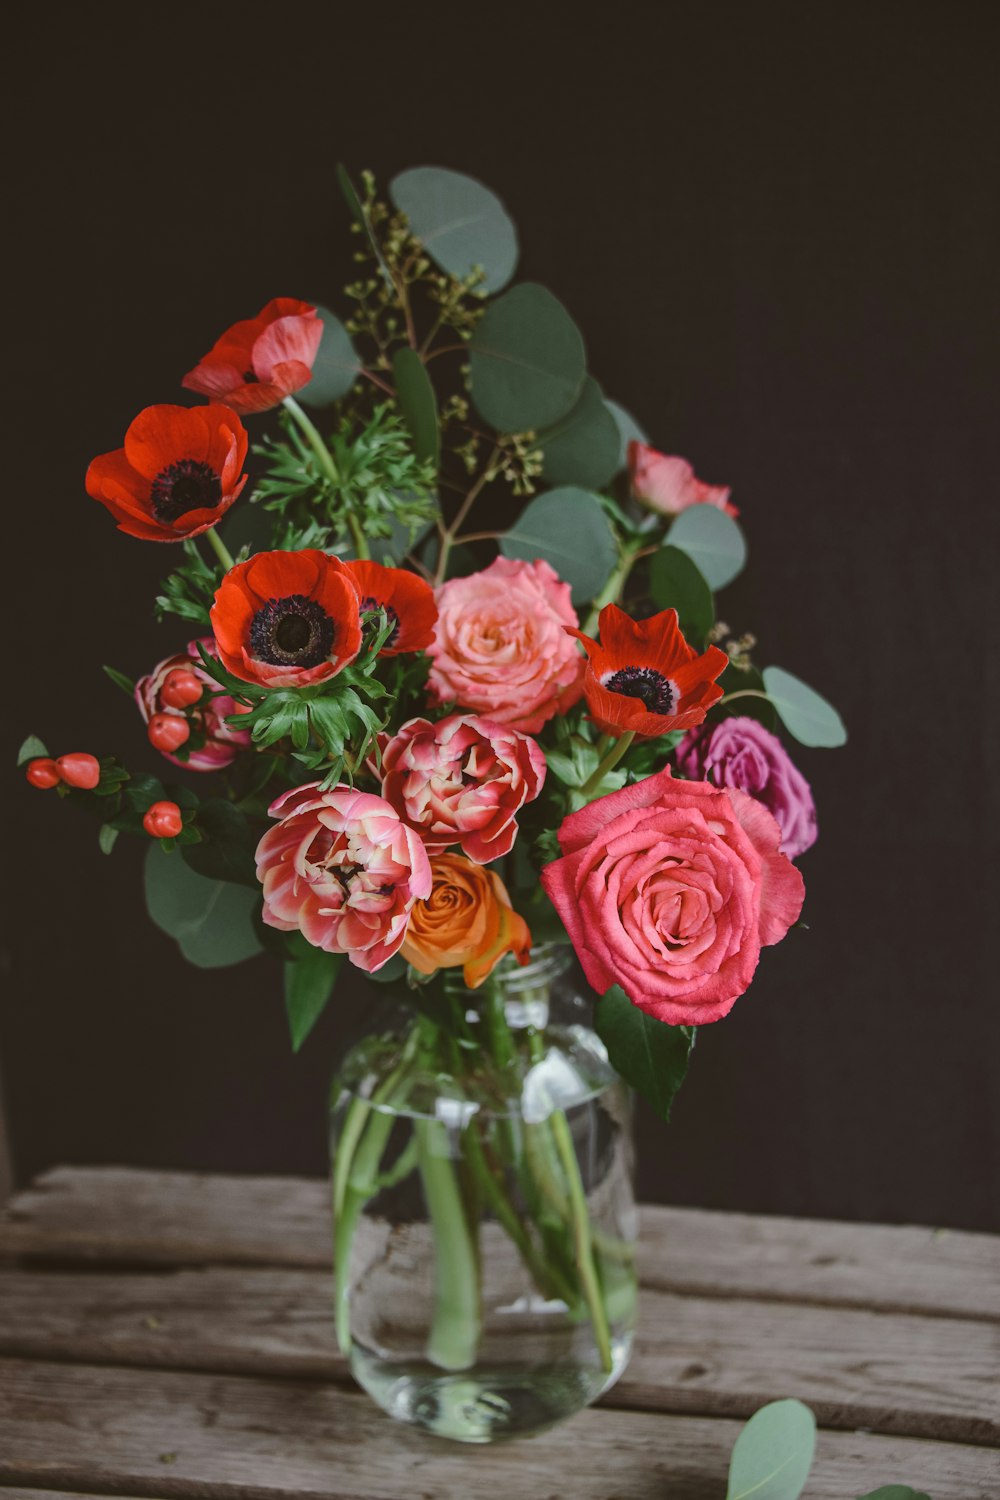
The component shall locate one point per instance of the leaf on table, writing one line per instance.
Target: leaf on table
(773, 1454)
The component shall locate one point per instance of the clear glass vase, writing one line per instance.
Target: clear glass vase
(484, 1216)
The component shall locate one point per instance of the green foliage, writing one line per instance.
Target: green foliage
(309, 977)
(773, 1454)
(650, 1055)
(804, 713)
(895, 1492)
(527, 361)
(120, 680)
(462, 225)
(211, 920)
(107, 837)
(336, 366)
(568, 528)
(628, 430)
(32, 749)
(676, 582)
(190, 589)
(583, 446)
(227, 844)
(711, 539)
(418, 404)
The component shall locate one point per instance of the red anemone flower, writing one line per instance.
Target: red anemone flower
(178, 473)
(287, 619)
(407, 600)
(643, 677)
(260, 361)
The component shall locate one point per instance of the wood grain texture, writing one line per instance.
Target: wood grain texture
(903, 1374)
(136, 1217)
(105, 1430)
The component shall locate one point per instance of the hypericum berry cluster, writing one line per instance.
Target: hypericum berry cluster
(77, 769)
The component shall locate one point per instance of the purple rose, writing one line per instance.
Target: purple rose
(739, 752)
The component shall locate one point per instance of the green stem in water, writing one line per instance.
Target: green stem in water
(608, 761)
(220, 549)
(454, 1335)
(324, 458)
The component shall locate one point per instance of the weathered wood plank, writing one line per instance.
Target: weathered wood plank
(107, 1430)
(908, 1375)
(127, 1216)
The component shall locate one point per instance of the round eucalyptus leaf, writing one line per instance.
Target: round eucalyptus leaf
(568, 529)
(582, 448)
(211, 920)
(773, 1453)
(803, 711)
(712, 540)
(460, 223)
(527, 360)
(628, 431)
(336, 366)
(675, 582)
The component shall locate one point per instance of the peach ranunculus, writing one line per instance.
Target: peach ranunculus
(222, 742)
(466, 922)
(666, 483)
(500, 646)
(462, 781)
(670, 888)
(343, 869)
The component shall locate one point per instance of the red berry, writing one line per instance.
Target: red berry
(80, 770)
(43, 773)
(163, 820)
(181, 688)
(168, 732)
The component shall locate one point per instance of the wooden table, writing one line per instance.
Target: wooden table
(166, 1335)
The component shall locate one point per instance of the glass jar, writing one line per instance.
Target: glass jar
(484, 1216)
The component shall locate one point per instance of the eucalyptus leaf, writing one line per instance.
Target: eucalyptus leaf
(650, 1055)
(211, 920)
(712, 540)
(460, 223)
(336, 366)
(676, 582)
(418, 403)
(527, 360)
(228, 844)
(895, 1492)
(628, 431)
(582, 448)
(773, 1454)
(804, 713)
(309, 975)
(32, 749)
(567, 528)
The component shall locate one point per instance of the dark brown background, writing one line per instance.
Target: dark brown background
(777, 228)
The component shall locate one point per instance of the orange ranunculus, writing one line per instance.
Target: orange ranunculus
(287, 619)
(466, 922)
(407, 600)
(177, 475)
(256, 363)
(644, 677)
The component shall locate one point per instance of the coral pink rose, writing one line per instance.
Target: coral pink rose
(343, 869)
(670, 889)
(669, 484)
(500, 645)
(461, 781)
(207, 719)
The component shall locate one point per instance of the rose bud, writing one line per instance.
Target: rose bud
(163, 820)
(168, 731)
(181, 688)
(80, 770)
(43, 773)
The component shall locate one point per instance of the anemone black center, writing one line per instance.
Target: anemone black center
(390, 614)
(644, 683)
(186, 485)
(291, 632)
(249, 378)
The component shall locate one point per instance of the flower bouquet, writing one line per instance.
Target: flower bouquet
(458, 710)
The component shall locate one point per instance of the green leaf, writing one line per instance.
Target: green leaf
(745, 680)
(359, 216)
(336, 366)
(527, 361)
(712, 540)
(211, 920)
(650, 1055)
(582, 448)
(32, 749)
(803, 712)
(309, 980)
(568, 528)
(107, 837)
(418, 403)
(895, 1492)
(460, 223)
(773, 1454)
(228, 844)
(120, 680)
(676, 582)
(628, 431)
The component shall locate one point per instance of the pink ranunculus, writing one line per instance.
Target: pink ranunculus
(222, 742)
(739, 752)
(462, 781)
(343, 869)
(668, 484)
(500, 646)
(670, 888)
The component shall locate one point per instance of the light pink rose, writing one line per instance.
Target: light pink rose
(670, 888)
(343, 869)
(500, 646)
(669, 484)
(222, 743)
(462, 781)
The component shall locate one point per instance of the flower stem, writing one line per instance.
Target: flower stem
(220, 549)
(454, 1335)
(608, 762)
(611, 591)
(743, 693)
(324, 458)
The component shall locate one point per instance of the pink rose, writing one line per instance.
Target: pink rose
(344, 870)
(668, 484)
(670, 888)
(461, 781)
(222, 742)
(500, 645)
(739, 752)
